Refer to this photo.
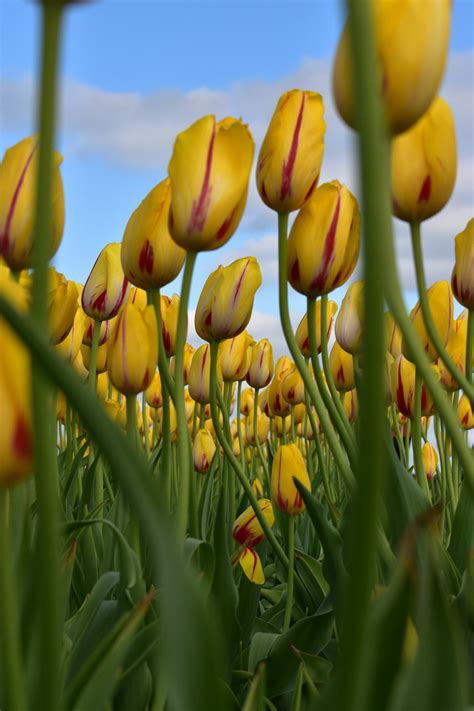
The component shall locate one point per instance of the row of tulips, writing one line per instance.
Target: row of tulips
(210, 528)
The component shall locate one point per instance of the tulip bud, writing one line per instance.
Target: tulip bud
(393, 336)
(101, 359)
(440, 301)
(277, 404)
(288, 464)
(247, 530)
(430, 460)
(292, 386)
(257, 488)
(132, 350)
(456, 347)
(247, 399)
(203, 451)
(280, 425)
(289, 162)
(341, 365)
(263, 402)
(351, 405)
(200, 375)
(169, 322)
(154, 395)
(462, 279)
(403, 374)
(350, 318)
(233, 354)
(69, 347)
(424, 165)
(62, 305)
(209, 172)
(187, 360)
(465, 413)
(263, 427)
(302, 336)
(106, 288)
(16, 436)
(324, 242)
(150, 257)
(409, 80)
(261, 364)
(18, 176)
(225, 305)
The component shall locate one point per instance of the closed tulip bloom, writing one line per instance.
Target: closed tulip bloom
(456, 347)
(132, 350)
(247, 530)
(257, 488)
(465, 413)
(292, 387)
(277, 404)
(351, 405)
(225, 305)
(263, 402)
(430, 460)
(150, 258)
(252, 566)
(440, 300)
(106, 328)
(189, 405)
(62, 305)
(280, 425)
(324, 242)
(203, 451)
(169, 322)
(187, 360)
(16, 436)
(341, 365)
(247, 399)
(393, 336)
(462, 279)
(424, 165)
(349, 322)
(69, 347)
(289, 162)
(288, 464)
(299, 413)
(209, 173)
(409, 80)
(403, 374)
(18, 172)
(261, 364)
(233, 354)
(200, 374)
(263, 427)
(302, 336)
(112, 408)
(154, 395)
(101, 360)
(106, 288)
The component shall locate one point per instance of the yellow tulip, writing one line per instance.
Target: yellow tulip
(106, 288)
(225, 305)
(410, 79)
(351, 405)
(440, 301)
(263, 402)
(132, 350)
(62, 305)
(302, 336)
(349, 322)
(287, 465)
(102, 385)
(403, 374)
(277, 404)
(252, 566)
(289, 162)
(101, 360)
(187, 360)
(203, 451)
(462, 279)
(16, 436)
(247, 399)
(341, 365)
(18, 172)
(209, 172)
(324, 242)
(261, 364)
(112, 409)
(200, 375)
(281, 424)
(430, 460)
(263, 427)
(138, 297)
(292, 386)
(424, 165)
(247, 530)
(150, 258)
(169, 309)
(61, 407)
(257, 488)
(69, 347)
(106, 328)
(456, 347)
(465, 413)
(393, 335)
(233, 355)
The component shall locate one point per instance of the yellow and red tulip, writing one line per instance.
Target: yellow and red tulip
(403, 374)
(462, 279)
(106, 288)
(261, 364)
(169, 309)
(341, 365)
(430, 460)
(465, 413)
(349, 322)
(440, 301)
(203, 451)
(302, 337)
(247, 530)
(234, 357)
(289, 464)
(200, 375)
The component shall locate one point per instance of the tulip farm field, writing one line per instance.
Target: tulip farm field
(217, 527)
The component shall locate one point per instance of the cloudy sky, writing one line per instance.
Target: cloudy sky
(136, 72)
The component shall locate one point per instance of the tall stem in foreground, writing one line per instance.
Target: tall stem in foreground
(48, 581)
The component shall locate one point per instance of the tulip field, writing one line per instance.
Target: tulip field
(190, 528)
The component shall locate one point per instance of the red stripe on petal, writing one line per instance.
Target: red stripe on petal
(329, 249)
(288, 165)
(425, 191)
(201, 205)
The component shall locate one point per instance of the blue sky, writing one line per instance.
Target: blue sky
(134, 73)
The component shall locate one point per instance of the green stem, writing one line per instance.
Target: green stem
(153, 296)
(416, 439)
(463, 380)
(291, 574)
(255, 431)
(145, 425)
(184, 450)
(92, 379)
(239, 426)
(48, 582)
(132, 428)
(310, 385)
(346, 435)
(13, 674)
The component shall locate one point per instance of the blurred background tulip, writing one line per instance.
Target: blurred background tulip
(349, 325)
(302, 337)
(440, 301)
(289, 464)
(462, 279)
(203, 451)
